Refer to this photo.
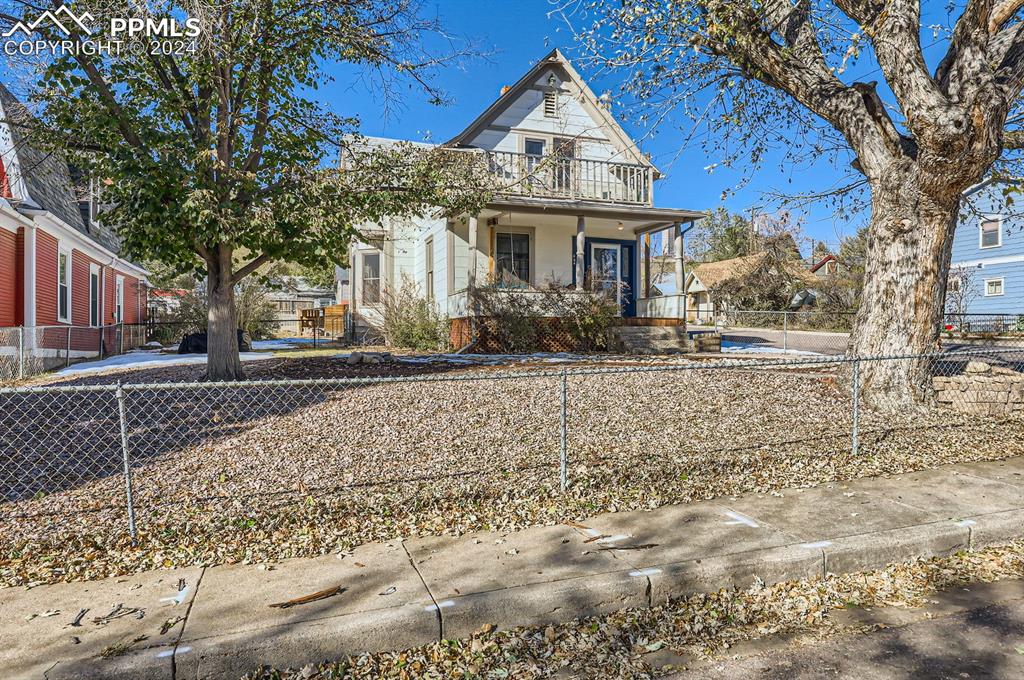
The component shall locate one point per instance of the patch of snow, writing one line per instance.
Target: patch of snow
(490, 359)
(757, 348)
(281, 343)
(149, 359)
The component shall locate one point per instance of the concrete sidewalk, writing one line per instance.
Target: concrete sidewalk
(219, 623)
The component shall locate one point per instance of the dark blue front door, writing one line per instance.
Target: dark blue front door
(610, 264)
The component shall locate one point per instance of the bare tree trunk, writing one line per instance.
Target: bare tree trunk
(222, 361)
(909, 242)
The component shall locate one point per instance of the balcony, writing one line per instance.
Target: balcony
(580, 179)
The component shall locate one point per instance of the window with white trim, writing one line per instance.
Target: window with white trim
(119, 300)
(429, 266)
(63, 285)
(991, 233)
(370, 278)
(94, 295)
(993, 287)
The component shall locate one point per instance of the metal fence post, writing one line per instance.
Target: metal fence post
(21, 352)
(67, 349)
(120, 343)
(126, 462)
(856, 406)
(314, 336)
(785, 331)
(564, 449)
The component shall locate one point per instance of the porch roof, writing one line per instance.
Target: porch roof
(651, 217)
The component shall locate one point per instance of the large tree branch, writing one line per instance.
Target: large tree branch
(249, 267)
(855, 111)
(1002, 13)
(893, 28)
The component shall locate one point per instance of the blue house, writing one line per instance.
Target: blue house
(986, 274)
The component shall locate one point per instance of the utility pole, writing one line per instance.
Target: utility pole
(752, 246)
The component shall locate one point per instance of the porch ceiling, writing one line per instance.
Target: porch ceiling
(638, 217)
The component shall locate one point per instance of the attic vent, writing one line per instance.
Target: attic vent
(551, 104)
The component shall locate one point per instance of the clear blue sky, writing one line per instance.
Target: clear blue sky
(519, 32)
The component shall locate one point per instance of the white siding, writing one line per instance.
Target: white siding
(525, 115)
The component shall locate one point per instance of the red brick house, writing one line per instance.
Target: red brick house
(59, 268)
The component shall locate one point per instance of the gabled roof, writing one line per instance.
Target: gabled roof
(45, 176)
(555, 58)
(714, 274)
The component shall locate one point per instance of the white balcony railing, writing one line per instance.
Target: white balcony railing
(556, 176)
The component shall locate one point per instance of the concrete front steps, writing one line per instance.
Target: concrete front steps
(650, 339)
(662, 339)
(221, 622)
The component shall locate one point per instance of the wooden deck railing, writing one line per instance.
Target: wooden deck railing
(555, 176)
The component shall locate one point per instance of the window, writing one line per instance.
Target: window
(953, 284)
(512, 259)
(94, 295)
(428, 263)
(993, 287)
(534, 149)
(551, 103)
(119, 300)
(991, 232)
(63, 285)
(370, 275)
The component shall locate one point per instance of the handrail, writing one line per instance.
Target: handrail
(571, 177)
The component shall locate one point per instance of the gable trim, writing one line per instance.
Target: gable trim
(616, 135)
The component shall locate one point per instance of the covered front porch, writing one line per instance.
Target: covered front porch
(633, 253)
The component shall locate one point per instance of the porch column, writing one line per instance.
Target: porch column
(471, 273)
(580, 251)
(647, 264)
(677, 252)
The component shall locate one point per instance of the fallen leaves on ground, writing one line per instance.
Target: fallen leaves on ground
(230, 475)
(620, 645)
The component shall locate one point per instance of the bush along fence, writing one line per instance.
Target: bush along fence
(270, 469)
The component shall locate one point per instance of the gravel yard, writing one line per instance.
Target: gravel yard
(257, 474)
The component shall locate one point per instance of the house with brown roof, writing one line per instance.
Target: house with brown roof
(706, 298)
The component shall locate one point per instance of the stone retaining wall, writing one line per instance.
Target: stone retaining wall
(982, 389)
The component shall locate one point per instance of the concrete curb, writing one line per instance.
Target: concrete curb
(874, 550)
(450, 587)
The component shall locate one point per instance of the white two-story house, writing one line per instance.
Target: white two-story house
(579, 211)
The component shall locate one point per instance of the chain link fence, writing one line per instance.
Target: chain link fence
(801, 332)
(118, 477)
(817, 331)
(30, 350)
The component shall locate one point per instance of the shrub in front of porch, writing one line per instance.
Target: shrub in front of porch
(412, 321)
(551, 318)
